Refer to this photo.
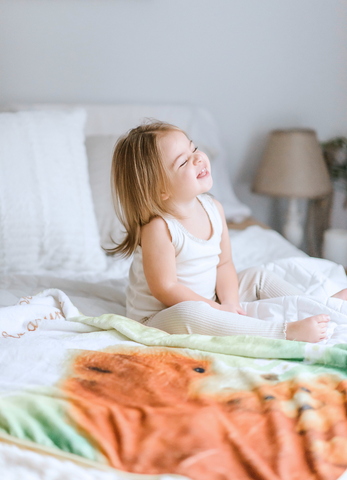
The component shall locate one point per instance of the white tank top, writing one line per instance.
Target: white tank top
(196, 265)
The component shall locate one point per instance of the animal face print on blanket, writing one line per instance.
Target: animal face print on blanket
(158, 411)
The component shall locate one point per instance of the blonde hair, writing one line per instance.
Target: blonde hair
(138, 178)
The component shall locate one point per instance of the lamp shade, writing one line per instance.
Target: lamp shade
(293, 166)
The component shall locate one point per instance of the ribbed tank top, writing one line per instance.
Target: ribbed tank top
(196, 264)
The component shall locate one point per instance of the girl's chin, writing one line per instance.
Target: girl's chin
(205, 190)
(208, 183)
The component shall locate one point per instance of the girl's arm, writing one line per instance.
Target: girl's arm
(227, 286)
(159, 265)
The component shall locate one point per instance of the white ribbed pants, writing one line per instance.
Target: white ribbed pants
(199, 317)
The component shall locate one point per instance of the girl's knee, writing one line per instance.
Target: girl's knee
(190, 306)
(189, 314)
(180, 318)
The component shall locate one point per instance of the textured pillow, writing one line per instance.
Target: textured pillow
(47, 219)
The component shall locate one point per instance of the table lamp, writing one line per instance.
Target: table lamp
(293, 166)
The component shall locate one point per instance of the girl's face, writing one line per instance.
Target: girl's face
(189, 168)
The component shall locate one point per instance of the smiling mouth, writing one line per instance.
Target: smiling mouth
(203, 173)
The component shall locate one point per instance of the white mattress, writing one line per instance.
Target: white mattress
(97, 293)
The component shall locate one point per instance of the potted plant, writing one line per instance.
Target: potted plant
(319, 210)
(335, 155)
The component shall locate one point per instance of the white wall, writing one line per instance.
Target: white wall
(256, 64)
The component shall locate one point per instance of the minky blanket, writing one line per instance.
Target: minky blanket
(206, 408)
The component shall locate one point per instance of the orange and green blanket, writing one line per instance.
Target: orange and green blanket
(207, 408)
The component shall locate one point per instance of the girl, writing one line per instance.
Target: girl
(182, 278)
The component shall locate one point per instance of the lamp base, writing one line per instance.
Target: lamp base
(293, 230)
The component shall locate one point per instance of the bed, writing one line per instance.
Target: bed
(88, 393)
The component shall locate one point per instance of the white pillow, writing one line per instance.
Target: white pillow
(47, 219)
(100, 150)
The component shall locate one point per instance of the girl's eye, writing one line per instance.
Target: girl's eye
(195, 149)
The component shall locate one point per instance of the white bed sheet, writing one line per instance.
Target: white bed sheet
(95, 294)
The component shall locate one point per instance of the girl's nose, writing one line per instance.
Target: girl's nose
(197, 157)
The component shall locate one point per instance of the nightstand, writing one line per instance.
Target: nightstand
(249, 222)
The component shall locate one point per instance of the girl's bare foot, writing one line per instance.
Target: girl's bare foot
(342, 294)
(311, 329)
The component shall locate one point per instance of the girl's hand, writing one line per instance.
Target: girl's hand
(233, 307)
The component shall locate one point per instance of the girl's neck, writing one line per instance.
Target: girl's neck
(186, 209)
(195, 219)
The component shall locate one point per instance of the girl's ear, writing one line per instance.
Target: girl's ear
(164, 196)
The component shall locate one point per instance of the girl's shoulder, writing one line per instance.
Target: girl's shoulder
(157, 226)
